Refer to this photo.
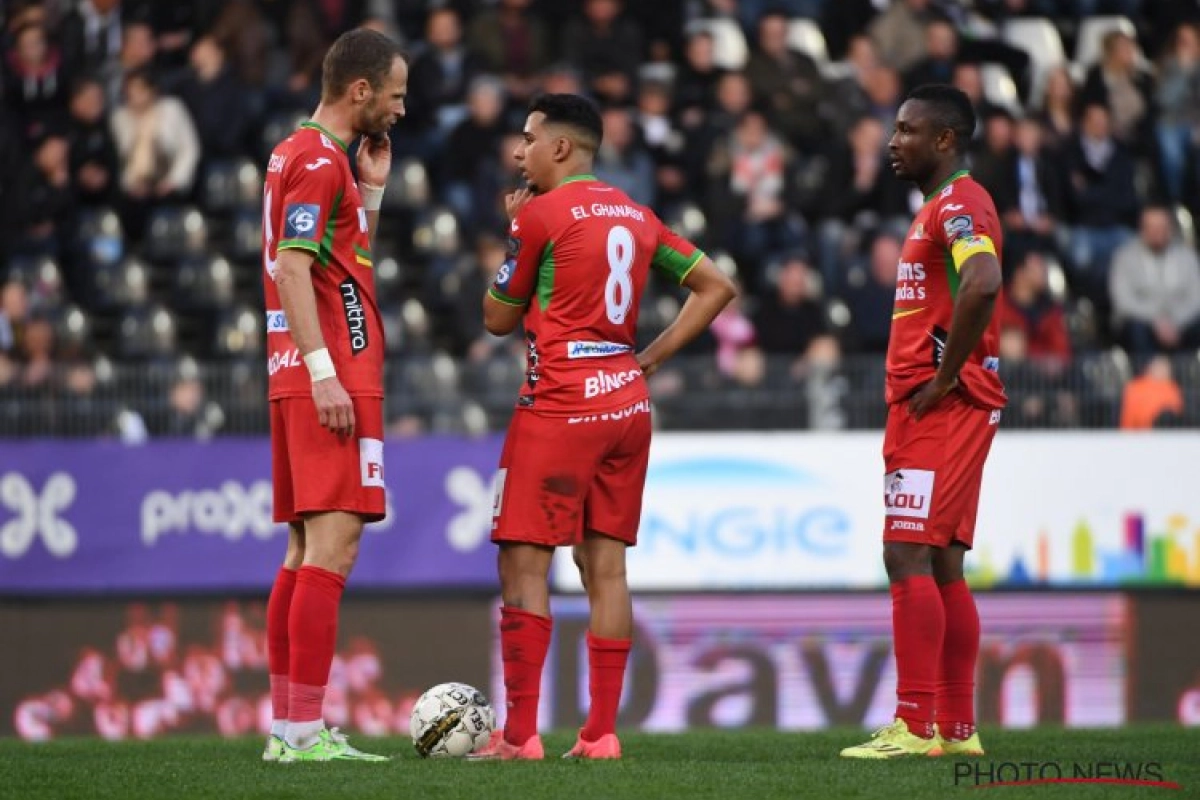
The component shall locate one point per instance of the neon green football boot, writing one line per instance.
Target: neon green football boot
(893, 741)
(331, 745)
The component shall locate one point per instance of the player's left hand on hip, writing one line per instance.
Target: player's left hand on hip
(929, 395)
(375, 159)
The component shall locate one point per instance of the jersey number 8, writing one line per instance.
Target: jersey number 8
(618, 289)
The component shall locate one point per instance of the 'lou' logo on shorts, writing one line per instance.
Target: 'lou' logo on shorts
(908, 493)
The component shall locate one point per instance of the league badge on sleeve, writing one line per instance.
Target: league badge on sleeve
(958, 226)
(300, 221)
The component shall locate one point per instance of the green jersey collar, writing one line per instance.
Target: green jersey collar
(962, 173)
(577, 178)
(317, 127)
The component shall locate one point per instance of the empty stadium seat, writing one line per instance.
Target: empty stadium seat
(1186, 225)
(999, 88)
(689, 222)
(277, 128)
(729, 43)
(232, 185)
(240, 332)
(146, 332)
(204, 282)
(1089, 43)
(1040, 40)
(437, 233)
(124, 284)
(174, 232)
(72, 327)
(245, 245)
(409, 186)
(804, 36)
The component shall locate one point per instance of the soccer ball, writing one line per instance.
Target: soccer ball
(451, 720)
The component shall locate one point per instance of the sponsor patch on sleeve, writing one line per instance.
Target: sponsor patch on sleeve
(300, 221)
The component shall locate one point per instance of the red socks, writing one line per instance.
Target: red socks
(606, 676)
(277, 640)
(524, 641)
(312, 631)
(919, 625)
(960, 650)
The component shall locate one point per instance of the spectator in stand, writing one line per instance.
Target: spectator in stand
(139, 52)
(969, 78)
(750, 184)
(867, 191)
(472, 143)
(513, 42)
(1057, 111)
(93, 154)
(1028, 307)
(1155, 289)
(1178, 103)
(695, 87)
(992, 155)
(941, 55)
(791, 321)
(899, 33)
(664, 142)
(1029, 198)
(36, 354)
(157, 147)
(438, 81)
(243, 33)
(1119, 83)
(871, 293)
(622, 159)
(91, 37)
(36, 81)
(1153, 399)
(215, 99)
(1102, 202)
(786, 83)
(47, 205)
(306, 47)
(737, 358)
(603, 40)
(14, 317)
(733, 100)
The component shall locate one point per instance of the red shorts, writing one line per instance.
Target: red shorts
(315, 470)
(560, 476)
(934, 471)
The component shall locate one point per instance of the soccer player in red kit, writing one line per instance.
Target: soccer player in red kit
(574, 461)
(326, 350)
(944, 400)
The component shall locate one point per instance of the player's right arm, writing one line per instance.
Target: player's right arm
(308, 200)
(711, 290)
(506, 300)
(293, 280)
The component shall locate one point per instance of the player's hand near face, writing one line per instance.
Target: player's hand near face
(374, 159)
(514, 202)
(335, 409)
(929, 395)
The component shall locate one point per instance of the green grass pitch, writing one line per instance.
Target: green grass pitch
(723, 765)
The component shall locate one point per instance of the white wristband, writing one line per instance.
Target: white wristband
(320, 365)
(372, 196)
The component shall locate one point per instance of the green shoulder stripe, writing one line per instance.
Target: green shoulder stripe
(300, 244)
(675, 264)
(501, 297)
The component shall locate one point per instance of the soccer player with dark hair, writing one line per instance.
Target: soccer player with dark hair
(325, 343)
(944, 400)
(574, 461)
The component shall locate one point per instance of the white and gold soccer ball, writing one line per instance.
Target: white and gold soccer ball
(451, 720)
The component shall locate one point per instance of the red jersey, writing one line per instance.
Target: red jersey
(579, 257)
(957, 221)
(311, 203)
